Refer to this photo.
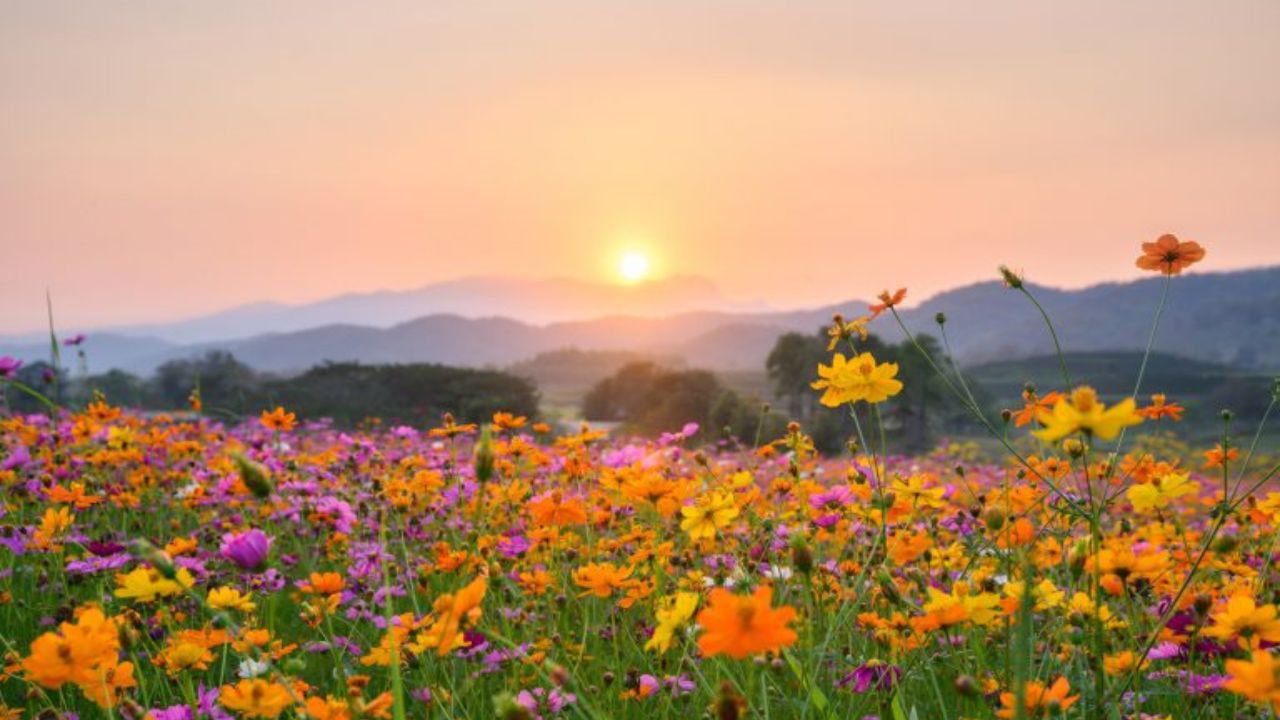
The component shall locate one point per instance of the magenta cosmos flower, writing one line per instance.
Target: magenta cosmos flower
(9, 366)
(247, 549)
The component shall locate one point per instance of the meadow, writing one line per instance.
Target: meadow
(175, 566)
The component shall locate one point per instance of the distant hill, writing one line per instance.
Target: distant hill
(535, 301)
(1231, 318)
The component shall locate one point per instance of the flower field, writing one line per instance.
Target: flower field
(176, 567)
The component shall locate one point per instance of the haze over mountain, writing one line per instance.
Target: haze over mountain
(1228, 317)
(536, 301)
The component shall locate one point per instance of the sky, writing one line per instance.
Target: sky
(164, 159)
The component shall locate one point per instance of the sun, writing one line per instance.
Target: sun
(633, 266)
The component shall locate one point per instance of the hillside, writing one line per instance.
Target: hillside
(1232, 318)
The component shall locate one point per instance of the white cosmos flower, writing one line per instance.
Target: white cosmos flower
(250, 668)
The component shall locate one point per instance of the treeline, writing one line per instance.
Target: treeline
(647, 398)
(346, 392)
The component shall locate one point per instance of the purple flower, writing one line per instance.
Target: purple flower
(174, 712)
(871, 675)
(248, 549)
(9, 366)
(837, 497)
(74, 340)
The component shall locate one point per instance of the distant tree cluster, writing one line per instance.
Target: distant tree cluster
(647, 398)
(346, 392)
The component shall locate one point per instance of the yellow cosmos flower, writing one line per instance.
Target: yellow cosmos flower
(1161, 492)
(229, 598)
(1083, 412)
(861, 378)
(675, 612)
(1244, 619)
(705, 517)
(145, 584)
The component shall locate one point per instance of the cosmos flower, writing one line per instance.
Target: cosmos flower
(1082, 412)
(858, 379)
(1038, 700)
(256, 698)
(9, 367)
(743, 625)
(248, 549)
(1169, 255)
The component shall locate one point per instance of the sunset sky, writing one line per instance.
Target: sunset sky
(161, 159)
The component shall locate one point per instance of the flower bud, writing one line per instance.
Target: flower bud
(253, 476)
(801, 555)
(968, 686)
(1011, 279)
(484, 461)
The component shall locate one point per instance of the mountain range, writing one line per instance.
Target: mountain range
(1227, 317)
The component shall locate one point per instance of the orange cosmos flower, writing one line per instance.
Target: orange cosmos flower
(507, 421)
(256, 698)
(1169, 256)
(454, 609)
(1032, 406)
(886, 301)
(1039, 701)
(278, 419)
(738, 625)
(601, 579)
(1160, 408)
(323, 583)
(1217, 457)
(555, 509)
(1255, 678)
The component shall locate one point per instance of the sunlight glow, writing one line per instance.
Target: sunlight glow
(633, 266)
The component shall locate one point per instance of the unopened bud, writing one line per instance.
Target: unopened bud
(484, 461)
(968, 686)
(253, 476)
(801, 555)
(1011, 278)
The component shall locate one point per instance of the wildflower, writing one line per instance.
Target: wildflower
(328, 583)
(455, 609)
(1219, 456)
(256, 698)
(1083, 412)
(887, 301)
(73, 652)
(1170, 256)
(248, 549)
(841, 330)
(859, 378)
(709, 514)
(1242, 618)
(228, 598)
(1160, 492)
(601, 579)
(1122, 663)
(674, 612)
(1161, 408)
(742, 625)
(9, 367)
(1033, 405)
(1038, 700)
(507, 421)
(872, 675)
(145, 584)
(555, 508)
(1255, 679)
(278, 420)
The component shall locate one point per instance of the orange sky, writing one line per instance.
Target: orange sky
(159, 159)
